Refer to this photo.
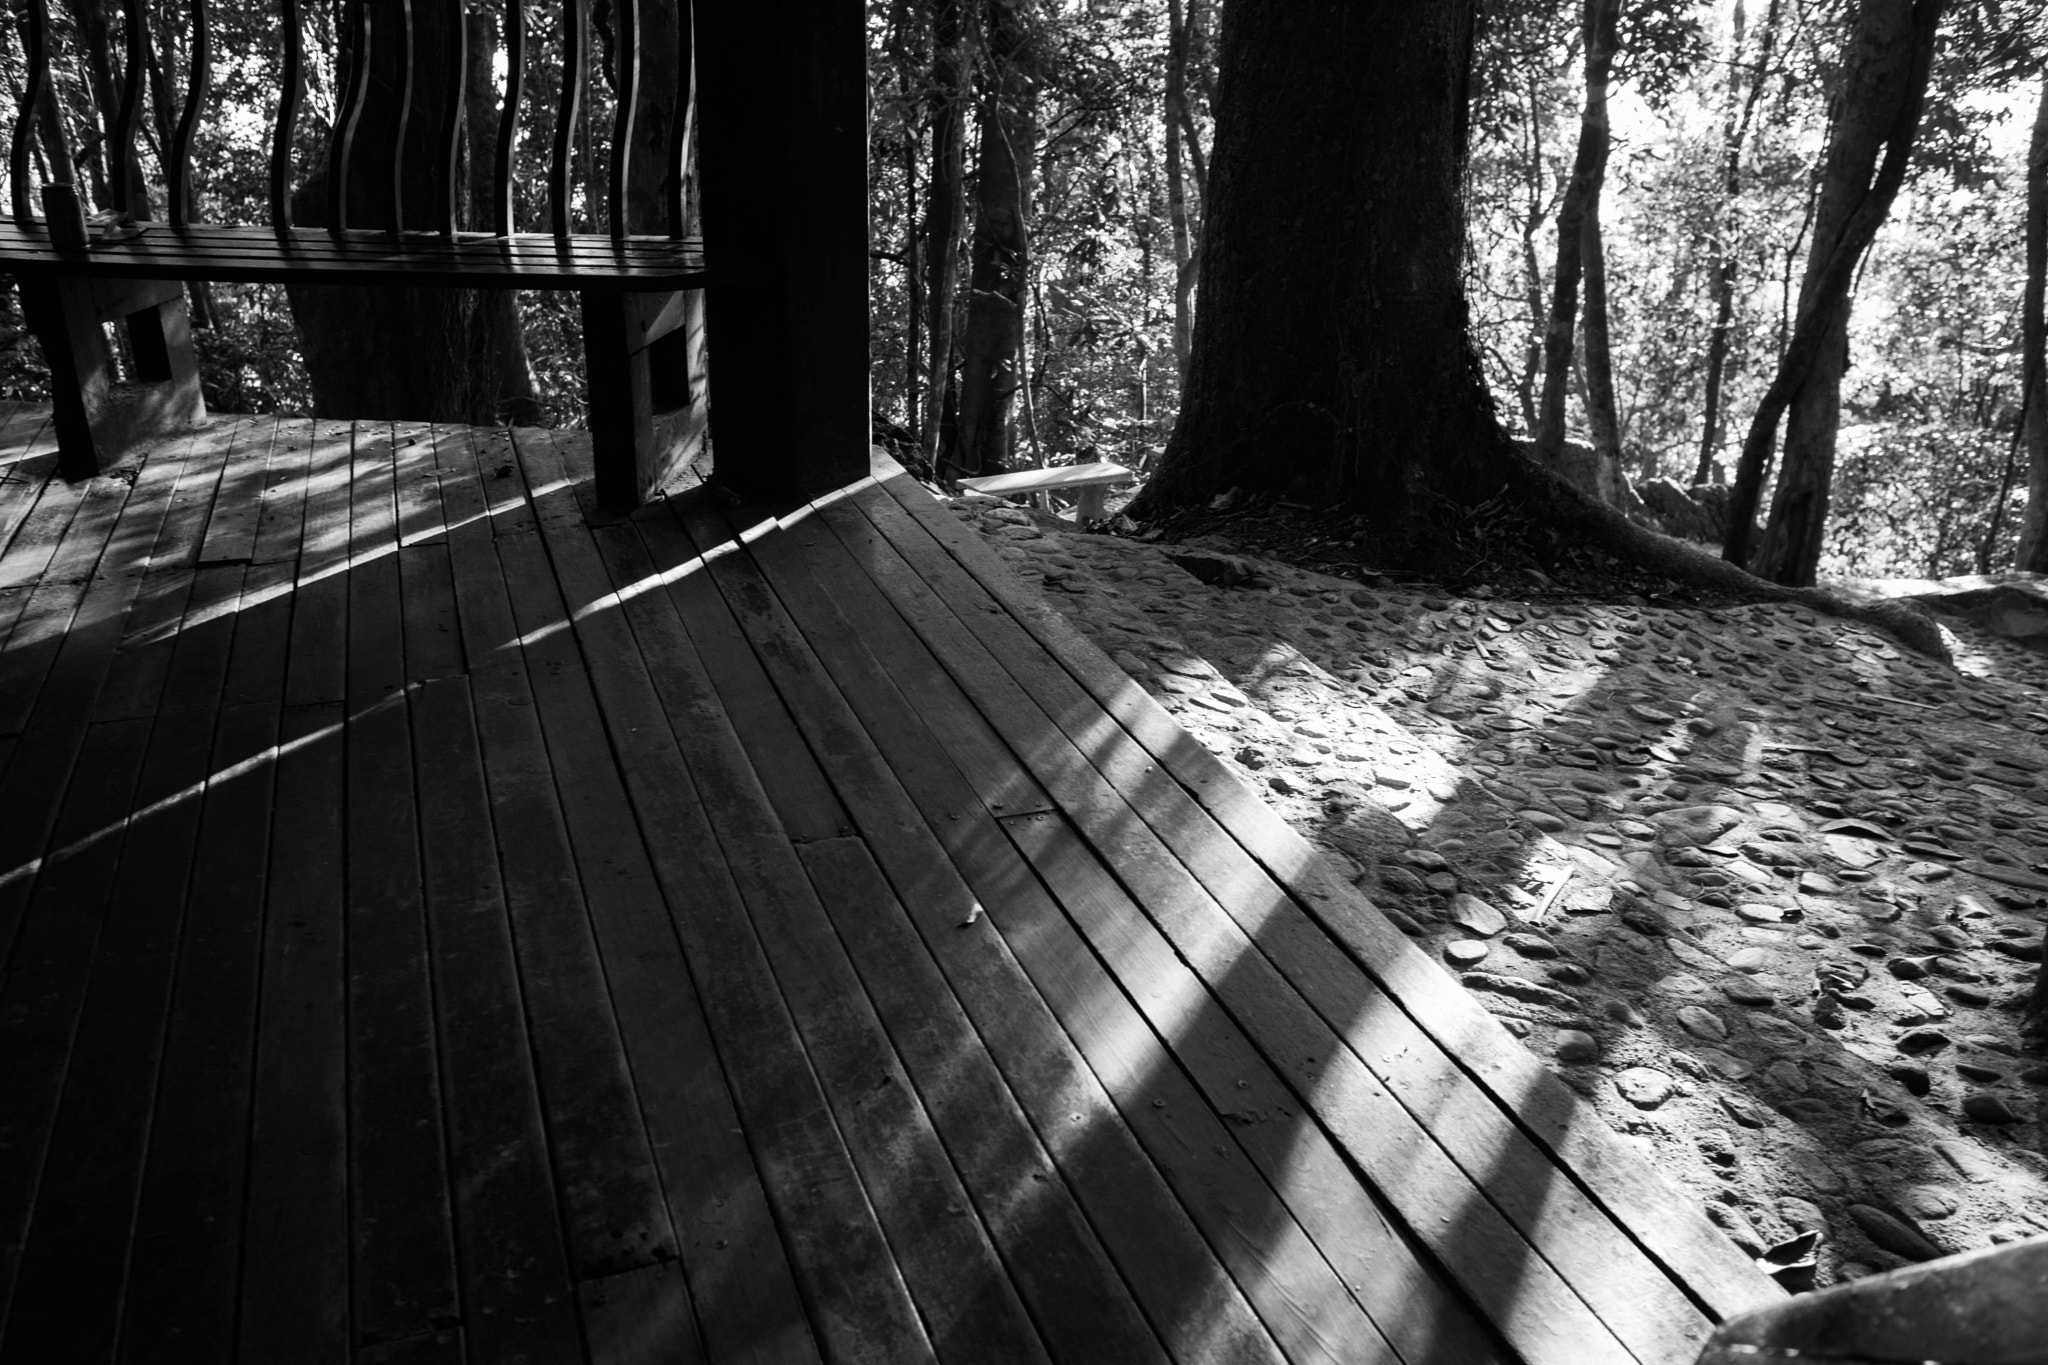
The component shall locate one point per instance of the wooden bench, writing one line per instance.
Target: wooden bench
(790, 86)
(1092, 480)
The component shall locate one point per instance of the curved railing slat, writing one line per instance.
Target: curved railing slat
(292, 79)
(198, 81)
(508, 118)
(625, 112)
(408, 48)
(575, 64)
(36, 53)
(342, 149)
(682, 123)
(453, 72)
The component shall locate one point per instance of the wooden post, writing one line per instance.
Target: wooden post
(97, 417)
(644, 358)
(782, 112)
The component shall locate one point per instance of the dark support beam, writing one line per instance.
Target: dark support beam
(99, 418)
(644, 355)
(782, 114)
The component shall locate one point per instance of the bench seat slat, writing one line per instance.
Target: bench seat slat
(262, 255)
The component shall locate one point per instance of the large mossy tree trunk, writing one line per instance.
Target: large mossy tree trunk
(445, 355)
(2033, 551)
(1870, 142)
(1330, 354)
(999, 258)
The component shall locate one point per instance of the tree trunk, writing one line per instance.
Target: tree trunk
(1581, 202)
(498, 309)
(2033, 552)
(999, 258)
(946, 210)
(428, 354)
(1891, 50)
(1723, 273)
(1176, 186)
(1330, 354)
(1602, 423)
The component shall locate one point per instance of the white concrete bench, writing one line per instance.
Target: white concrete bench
(1093, 480)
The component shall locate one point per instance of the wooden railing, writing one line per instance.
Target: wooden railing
(353, 78)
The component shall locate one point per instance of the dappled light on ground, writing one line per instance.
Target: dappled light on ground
(1762, 885)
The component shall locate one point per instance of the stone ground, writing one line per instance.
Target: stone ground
(1765, 887)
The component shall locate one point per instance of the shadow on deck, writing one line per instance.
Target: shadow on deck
(445, 922)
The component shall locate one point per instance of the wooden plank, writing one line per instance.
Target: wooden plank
(295, 1286)
(944, 1253)
(609, 1186)
(1003, 783)
(418, 491)
(472, 261)
(668, 1044)
(281, 523)
(318, 661)
(1697, 1255)
(518, 1299)
(181, 1282)
(1145, 1227)
(44, 986)
(1408, 1116)
(71, 1276)
(40, 634)
(633, 1317)
(403, 1250)
(1080, 1303)
(42, 765)
(1306, 1306)
(1403, 1292)
(200, 650)
(259, 658)
(164, 603)
(433, 629)
(38, 534)
(1040, 1065)
(856, 1298)
(238, 501)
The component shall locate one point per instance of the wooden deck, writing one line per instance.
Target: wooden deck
(445, 923)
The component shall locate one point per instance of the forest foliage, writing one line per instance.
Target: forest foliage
(1720, 116)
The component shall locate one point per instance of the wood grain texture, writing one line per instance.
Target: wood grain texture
(1696, 1255)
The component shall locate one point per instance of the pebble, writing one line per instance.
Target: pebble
(1575, 1046)
(1931, 1202)
(1748, 993)
(1920, 1041)
(1702, 1023)
(1476, 916)
(1894, 1234)
(1914, 1079)
(1822, 1176)
(1986, 1107)
(1645, 788)
(1531, 945)
(1644, 1087)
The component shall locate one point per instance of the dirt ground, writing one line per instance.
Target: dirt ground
(1764, 886)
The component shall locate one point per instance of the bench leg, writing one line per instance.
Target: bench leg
(1092, 504)
(643, 357)
(99, 418)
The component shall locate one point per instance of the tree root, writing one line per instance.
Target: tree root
(1552, 501)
